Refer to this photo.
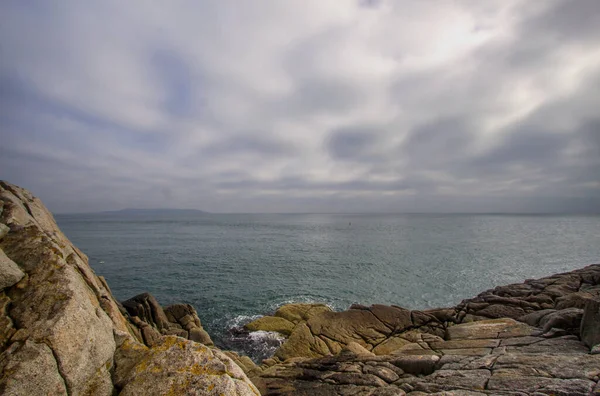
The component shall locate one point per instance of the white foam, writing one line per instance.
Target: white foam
(261, 336)
(241, 320)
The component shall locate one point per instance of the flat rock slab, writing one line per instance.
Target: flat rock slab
(540, 385)
(494, 328)
(462, 344)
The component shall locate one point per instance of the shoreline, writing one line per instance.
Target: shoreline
(62, 332)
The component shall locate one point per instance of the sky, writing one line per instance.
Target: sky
(303, 105)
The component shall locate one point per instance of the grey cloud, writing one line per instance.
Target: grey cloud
(353, 143)
(438, 142)
(568, 20)
(250, 143)
(239, 121)
(303, 184)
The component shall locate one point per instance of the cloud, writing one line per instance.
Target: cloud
(303, 105)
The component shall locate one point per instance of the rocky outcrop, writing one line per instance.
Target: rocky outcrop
(520, 339)
(63, 333)
(590, 325)
(490, 357)
(153, 321)
(553, 304)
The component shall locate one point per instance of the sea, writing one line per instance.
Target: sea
(234, 268)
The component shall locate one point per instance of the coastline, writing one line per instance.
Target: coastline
(63, 332)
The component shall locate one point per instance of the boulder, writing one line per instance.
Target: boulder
(302, 343)
(271, 323)
(574, 300)
(145, 307)
(590, 323)
(10, 273)
(297, 313)
(177, 366)
(568, 319)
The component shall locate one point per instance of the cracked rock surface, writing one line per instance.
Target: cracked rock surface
(540, 337)
(489, 357)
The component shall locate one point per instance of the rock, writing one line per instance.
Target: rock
(568, 366)
(574, 300)
(348, 326)
(30, 369)
(177, 366)
(297, 313)
(489, 329)
(465, 344)
(397, 318)
(534, 318)
(539, 385)
(390, 345)
(51, 315)
(385, 373)
(200, 335)
(356, 349)
(271, 323)
(302, 343)
(10, 273)
(416, 364)
(590, 323)
(60, 322)
(245, 363)
(3, 230)
(501, 311)
(145, 307)
(568, 319)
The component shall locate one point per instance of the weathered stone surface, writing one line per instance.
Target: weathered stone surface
(465, 344)
(390, 345)
(486, 329)
(385, 373)
(145, 307)
(353, 325)
(58, 323)
(574, 300)
(200, 335)
(59, 309)
(581, 365)
(177, 366)
(480, 357)
(356, 349)
(590, 323)
(568, 319)
(245, 363)
(560, 345)
(530, 385)
(302, 343)
(10, 273)
(297, 313)
(271, 323)
(3, 230)
(501, 311)
(30, 369)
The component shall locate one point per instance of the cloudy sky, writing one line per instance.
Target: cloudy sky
(302, 106)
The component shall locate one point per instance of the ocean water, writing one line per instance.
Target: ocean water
(235, 267)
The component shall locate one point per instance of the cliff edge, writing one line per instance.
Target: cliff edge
(63, 333)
